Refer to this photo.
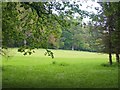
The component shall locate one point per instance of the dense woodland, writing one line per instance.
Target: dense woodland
(30, 25)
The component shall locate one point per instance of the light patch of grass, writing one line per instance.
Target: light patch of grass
(71, 69)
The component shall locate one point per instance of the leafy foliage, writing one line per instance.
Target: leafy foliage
(30, 25)
(107, 22)
(34, 25)
(49, 53)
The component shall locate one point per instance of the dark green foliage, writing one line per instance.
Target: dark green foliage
(107, 22)
(49, 53)
(26, 51)
(34, 25)
(31, 28)
(31, 25)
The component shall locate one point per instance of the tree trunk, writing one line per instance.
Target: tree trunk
(72, 47)
(110, 58)
(25, 42)
(110, 48)
(110, 39)
(117, 58)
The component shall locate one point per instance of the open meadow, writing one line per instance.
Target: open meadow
(69, 69)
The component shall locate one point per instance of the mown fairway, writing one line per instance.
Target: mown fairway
(71, 69)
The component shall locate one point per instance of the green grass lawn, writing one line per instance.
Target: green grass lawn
(69, 69)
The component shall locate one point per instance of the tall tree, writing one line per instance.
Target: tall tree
(108, 20)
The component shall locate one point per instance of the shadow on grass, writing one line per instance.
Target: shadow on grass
(108, 65)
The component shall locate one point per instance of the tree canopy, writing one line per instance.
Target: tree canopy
(30, 25)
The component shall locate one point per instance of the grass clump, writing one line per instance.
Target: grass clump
(54, 62)
(59, 63)
(63, 64)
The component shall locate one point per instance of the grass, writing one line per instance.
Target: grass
(69, 69)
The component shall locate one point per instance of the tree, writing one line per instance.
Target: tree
(113, 29)
(30, 25)
(108, 20)
(22, 25)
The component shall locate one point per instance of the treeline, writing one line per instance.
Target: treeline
(23, 25)
(30, 25)
(77, 37)
(74, 37)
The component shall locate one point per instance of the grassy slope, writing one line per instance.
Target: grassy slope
(68, 69)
